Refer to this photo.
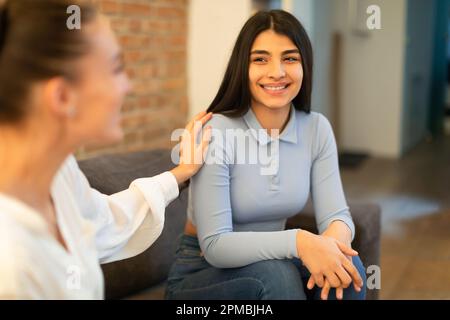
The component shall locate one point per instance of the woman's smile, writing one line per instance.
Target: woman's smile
(275, 89)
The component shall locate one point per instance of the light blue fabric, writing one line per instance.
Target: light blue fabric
(240, 209)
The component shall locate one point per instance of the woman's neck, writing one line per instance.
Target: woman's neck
(273, 120)
(29, 160)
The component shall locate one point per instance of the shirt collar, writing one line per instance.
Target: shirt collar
(22, 213)
(289, 134)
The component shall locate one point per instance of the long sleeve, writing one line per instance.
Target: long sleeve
(128, 222)
(326, 187)
(222, 246)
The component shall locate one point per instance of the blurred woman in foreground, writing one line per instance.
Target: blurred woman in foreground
(61, 89)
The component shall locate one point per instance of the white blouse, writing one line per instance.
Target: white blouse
(95, 227)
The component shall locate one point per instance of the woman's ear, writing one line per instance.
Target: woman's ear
(60, 97)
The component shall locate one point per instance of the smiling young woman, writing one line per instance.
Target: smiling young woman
(235, 244)
(275, 78)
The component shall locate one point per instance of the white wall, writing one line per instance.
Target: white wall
(213, 28)
(322, 32)
(372, 81)
(303, 10)
(317, 18)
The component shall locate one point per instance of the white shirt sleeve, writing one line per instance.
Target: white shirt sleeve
(127, 222)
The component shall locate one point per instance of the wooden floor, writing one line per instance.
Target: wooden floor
(414, 194)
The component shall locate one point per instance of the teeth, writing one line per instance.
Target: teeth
(274, 88)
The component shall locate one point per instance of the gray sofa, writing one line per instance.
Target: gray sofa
(143, 276)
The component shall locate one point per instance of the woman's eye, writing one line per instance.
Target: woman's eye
(119, 69)
(259, 60)
(291, 59)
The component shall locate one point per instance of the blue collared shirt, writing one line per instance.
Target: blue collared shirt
(251, 183)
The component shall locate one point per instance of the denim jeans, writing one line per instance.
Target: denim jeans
(191, 277)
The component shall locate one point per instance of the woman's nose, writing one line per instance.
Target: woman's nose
(128, 85)
(276, 70)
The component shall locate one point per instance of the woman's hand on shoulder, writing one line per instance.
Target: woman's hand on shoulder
(192, 154)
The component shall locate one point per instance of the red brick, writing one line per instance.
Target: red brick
(173, 84)
(136, 9)
(111, 6)
(153, 36)
(170, 12)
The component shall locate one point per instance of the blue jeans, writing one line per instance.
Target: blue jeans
(191, 277)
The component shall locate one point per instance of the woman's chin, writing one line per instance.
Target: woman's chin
(275, 103)
(277, 106)
(116, 136)
(108, 138)
(115, 133)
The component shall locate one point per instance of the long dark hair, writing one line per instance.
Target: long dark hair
(234, 97)
(35, 45)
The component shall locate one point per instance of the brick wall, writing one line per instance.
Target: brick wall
(153, 36)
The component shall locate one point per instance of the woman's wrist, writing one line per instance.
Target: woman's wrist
(340, 231)
(302, 236)
(182, 174)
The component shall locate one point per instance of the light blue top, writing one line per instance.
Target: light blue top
(240, 209)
